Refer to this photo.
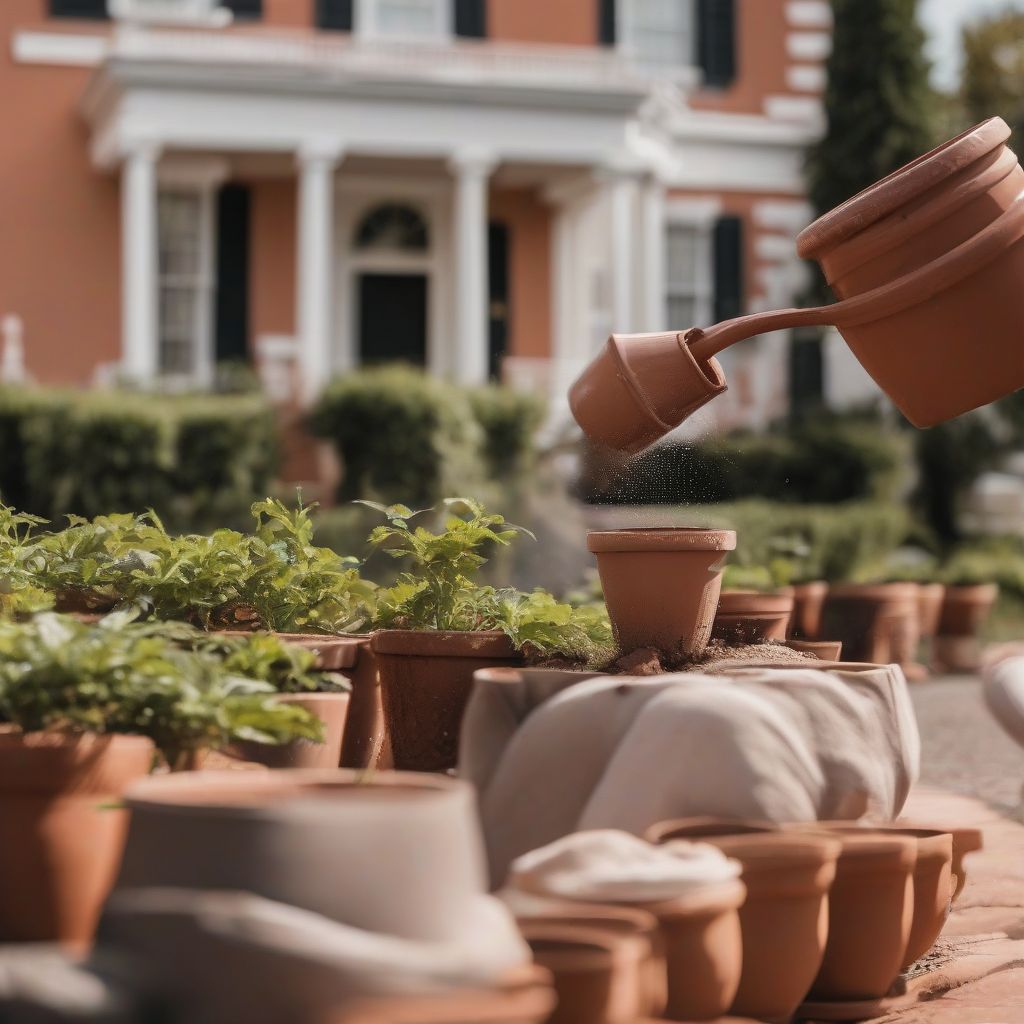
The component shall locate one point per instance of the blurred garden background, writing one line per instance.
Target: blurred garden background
(843, 495)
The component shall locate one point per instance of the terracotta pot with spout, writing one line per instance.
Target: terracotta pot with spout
(871, 912)
(662, 585)
(751, 617)
(785, 919)
(63, 830)
(924, 263)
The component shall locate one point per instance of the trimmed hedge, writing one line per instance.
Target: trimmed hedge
(403, 436)
(834, 461)
(197, 460)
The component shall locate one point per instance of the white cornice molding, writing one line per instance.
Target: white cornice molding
(62, 49)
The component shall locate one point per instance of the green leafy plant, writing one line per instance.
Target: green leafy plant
(439, 592)
(119, 676)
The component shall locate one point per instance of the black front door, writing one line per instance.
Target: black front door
(393, 318)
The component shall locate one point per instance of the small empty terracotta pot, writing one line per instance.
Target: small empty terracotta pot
(966, 840)
(823, 650)
(965, 608)
(784, 920)
(662, 585)
(870, 914)
(876, 622)
(619, 920)
(599, 976)
(331, 709)
(751, 617)
(933, 881)
(703, 944)
(808, 600)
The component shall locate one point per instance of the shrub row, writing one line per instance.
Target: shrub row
(833, 461)
(197, 460)
(404, 436)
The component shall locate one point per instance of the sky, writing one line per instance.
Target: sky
(942, 20)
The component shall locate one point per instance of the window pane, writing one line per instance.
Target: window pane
(658, 32)
(682, 312)
(681, 264)
(182, 288)
(393, 226)
(406, 17)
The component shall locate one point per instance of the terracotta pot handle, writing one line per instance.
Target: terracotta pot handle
(917, 286)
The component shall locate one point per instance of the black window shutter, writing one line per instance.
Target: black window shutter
(334, 14)
(231, 309)
(497, 294)
(471, 18)
(728, 260)
(244, 10)
(606, 22)
(78, 8)
(716, 41)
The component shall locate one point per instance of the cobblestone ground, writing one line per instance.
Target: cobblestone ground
(963, 750)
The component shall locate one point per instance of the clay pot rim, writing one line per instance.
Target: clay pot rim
(600, 915)
(597, 947)
(660, 832)
(900, 187)
(335, 651)
(969, 593)
(52, 739)
(661, 538)
(256, 794)
(754, 603)
(966, 838)
(768, 850)
(523, 673)
(709, 898)
(444, 643)
(316, 696)
(875, 845)
(875, 591)
(930, 842)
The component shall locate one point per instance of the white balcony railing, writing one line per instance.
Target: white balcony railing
(348, 57)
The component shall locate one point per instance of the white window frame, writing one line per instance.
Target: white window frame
(202, 179)
(368, 22)
(698, 216)
(626, 41)
(208, 13)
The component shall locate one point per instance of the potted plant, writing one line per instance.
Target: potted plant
(971, 593)
(84, 708)
(435, 626)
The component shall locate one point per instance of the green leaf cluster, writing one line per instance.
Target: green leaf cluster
(119, 676)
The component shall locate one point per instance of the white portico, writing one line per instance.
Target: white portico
(358, 123)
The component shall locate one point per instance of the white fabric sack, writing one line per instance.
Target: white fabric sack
(624, 753)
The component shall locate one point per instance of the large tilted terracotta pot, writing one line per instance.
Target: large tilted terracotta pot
(871, 912)
(751, 617)
(785, 918)
(933, 880)
(924, 263)
(808, 601)
(662, 585)
(425, 680)
(62, 830)
(331, 709)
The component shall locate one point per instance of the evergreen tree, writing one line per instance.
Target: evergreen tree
(878, 101)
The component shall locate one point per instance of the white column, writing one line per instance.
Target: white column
(139, 291)
(315, 265)
(653, 284)
(622, 187)
(471, 170)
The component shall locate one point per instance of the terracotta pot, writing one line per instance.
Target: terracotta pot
(706, 827)
(290, 835)
(930, 598)
(876, 622)
(785, 918)
(808, 601)
(426, 678)
(62, 841)
(933, 880)
(619, 920)
(526, 998)
(662, 585)
(966, 840)
(598, 975)
(331, 709)
(823, 650)
(965, 608)
(703, 945)
(923, 262)
(365, 743)
(871, 911)
(751, 617)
